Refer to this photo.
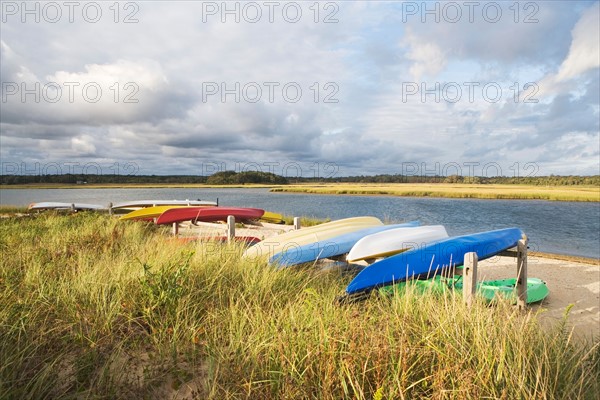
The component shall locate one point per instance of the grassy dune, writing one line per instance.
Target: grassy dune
(455, 190)
(91, 307)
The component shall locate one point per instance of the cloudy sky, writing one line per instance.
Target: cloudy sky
(318, 88)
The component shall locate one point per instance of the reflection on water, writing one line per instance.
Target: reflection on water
(554, 227)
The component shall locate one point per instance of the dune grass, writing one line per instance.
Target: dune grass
(453, 190)
(305, 221)
(91, 307)
(8, 210)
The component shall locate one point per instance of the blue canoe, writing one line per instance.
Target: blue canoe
(433, 258)
(335, 246)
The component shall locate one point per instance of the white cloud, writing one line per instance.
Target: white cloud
(428, 58)
(122, 92)
(584, 53)
(83, 145)
(171, 53)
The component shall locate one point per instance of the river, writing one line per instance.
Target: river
(571, 228)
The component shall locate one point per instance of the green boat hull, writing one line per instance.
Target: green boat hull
(488, 290)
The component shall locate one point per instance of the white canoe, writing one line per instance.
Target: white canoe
(55, 205)
(276, 244)
(137, 204)
(394, 241)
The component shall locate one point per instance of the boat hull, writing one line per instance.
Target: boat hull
(394, 241)
(53, 205)
(493, 290)
(333, 247)
(208, 214)
(276, 244)
(432, 259)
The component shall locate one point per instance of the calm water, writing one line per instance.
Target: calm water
(555, 227)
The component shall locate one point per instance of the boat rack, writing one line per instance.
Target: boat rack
(231, 227)
(469, 273)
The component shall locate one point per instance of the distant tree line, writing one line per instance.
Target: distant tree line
(257, 177)
(100, 179)
(240, 178)
(219, 178)
(552, 180)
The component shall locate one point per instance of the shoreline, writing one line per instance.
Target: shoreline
(565, 257)
(584, 194)
(538, 254)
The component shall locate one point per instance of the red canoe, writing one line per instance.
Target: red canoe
(208, 214)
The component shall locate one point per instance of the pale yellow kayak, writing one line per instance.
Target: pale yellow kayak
(305, 236)
(148, 212)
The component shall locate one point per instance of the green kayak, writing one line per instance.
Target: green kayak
(489, 290)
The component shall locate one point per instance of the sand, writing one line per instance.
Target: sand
(570, 283)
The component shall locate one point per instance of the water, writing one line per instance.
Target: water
(556, 227)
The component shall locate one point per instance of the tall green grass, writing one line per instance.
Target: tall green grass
(91, 307)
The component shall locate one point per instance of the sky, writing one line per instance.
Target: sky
(318, 89)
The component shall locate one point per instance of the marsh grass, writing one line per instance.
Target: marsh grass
(91, 307)
(8, 210)
(455, 190)
(305, 221)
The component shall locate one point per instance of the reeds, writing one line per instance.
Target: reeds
(93, 307)
(487, 191)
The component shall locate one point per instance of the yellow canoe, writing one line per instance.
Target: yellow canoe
(148, 212)
(305, 236)
(272, 217)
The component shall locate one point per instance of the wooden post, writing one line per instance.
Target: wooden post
(175, 229)
(522, 273)
(296, 223)
(470, 278)
(230, 228)
(110, 210)
(73, 207)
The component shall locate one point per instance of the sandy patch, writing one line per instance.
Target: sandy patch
(260, 230)
(570, 283)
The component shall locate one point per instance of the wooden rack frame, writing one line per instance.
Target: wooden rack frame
(469, 273)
